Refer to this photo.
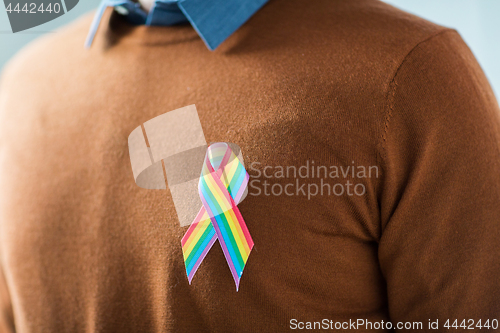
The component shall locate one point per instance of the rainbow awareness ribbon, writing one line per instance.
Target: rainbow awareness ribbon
(222, 184)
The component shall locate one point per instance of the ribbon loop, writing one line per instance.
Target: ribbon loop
(222, 184)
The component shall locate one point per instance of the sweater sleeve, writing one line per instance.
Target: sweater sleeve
(6, 311)
(6, 315)
(440, 200)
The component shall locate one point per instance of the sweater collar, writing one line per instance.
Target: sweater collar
(213, 20)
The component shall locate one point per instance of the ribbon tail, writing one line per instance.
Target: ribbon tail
(231, 231)
(197, 242)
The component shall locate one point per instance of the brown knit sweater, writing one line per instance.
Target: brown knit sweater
(344, 83)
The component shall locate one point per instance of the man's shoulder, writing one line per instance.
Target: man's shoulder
(370, 29)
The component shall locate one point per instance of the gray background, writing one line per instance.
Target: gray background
(477, 21)
(10, 43)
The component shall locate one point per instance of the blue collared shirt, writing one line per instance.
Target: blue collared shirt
(213, 20)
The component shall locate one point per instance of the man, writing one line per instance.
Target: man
(336, 83)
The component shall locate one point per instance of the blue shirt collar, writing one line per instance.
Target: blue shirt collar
(213, 20)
